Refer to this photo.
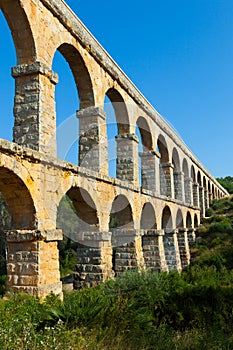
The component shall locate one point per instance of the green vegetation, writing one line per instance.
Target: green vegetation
(138, 311)
(227, 183)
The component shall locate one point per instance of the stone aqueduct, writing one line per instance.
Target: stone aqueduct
(154, 223)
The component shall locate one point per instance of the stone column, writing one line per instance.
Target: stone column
(191, 235)
(93, 139)
(206, 196)
(33, 262)
(166, 179)
(179, 185)
(183, 247)
(94, 260)
(171, 248)
(150, 170)
(153, 250)
(128, 254)
(127, 157)
(188, 185)
(34, 107)
(210, 197)
(196, 194)
(201, 200)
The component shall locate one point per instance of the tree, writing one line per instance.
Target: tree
(227, 183)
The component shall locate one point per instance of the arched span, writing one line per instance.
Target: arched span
(81, 74)
(163, 150)
(193, 174)
(175, 160)
(167, 223)
(120, 109)
(188, 220)
(85, 209)
(148, 219)
(179, 219)
(185, 168)
(196, 224)
(21, 31)
(121, 214)
(145, 134)
(18, 199)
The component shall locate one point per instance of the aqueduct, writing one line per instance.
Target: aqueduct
(150, 223)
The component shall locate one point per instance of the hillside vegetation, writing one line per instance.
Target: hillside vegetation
(191, 310)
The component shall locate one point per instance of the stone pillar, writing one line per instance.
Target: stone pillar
(94, 260)
(201, 200)
(153, 250)
(179, 185)
(128, 254)
(127, 157)
(196, 194)
(93, 139)
(191, 236)
(150, 170)
(33, 262)
(210, 197)
(171, 248)
(206, 198)
(188, 188)
(34, 107)
(183, 247)
(166, 179)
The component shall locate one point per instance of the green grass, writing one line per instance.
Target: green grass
(138, 311)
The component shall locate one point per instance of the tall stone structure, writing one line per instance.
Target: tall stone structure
(125, 224)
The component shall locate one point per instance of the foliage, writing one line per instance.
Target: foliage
(227, 183)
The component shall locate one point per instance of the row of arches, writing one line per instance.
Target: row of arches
(153, 163)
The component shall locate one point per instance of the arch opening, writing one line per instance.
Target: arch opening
(148, 219)
(8, 59)
(146, 168)
(167, 224)
(121, 214)
(177, 178)
(188, 220)
(179, 219)
(165, 176)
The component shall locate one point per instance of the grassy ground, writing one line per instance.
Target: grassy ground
(191, 310)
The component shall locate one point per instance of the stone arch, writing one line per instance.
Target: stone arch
(167, 222)
(179, 219)
(7, 84)
(121, 214)
(21, 31)
(146, 158)
(188, 220)
(163, 149)
(177, 175)
(120, 109)
(146, 134)
(148, 219)
(85, 209)
(165, 169)
(196, 223)
(18, 200)
(81, 74)
(199, 180)
(187, 182)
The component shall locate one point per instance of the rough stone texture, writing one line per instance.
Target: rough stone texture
(183, 243)
(153, 250)
(94, 261)
(128, 254)
(171, 248)
(32, 262)
(127, 164)
(33, 180)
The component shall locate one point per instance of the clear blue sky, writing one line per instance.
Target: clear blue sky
(179, 53)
